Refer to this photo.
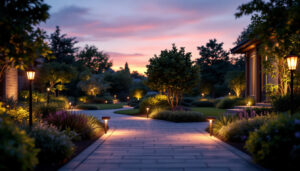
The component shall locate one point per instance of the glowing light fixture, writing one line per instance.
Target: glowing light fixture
(292, 61)
(147, 110)
(105, 118)
(30, 77)
(211, 119)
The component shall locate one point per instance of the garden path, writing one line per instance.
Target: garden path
(135, 143)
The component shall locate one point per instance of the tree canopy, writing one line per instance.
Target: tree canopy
(275, 24)
(214, 63)
(21, 41)
(94, 59)
(62, 47)
(53, 74)
(172, 72)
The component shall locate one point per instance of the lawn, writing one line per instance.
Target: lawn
(128, 112)
(103, 106)
(209, 111)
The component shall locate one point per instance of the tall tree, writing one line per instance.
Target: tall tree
(21, 41)
(275, 24)
(54, 75)
(214, 63)
(62, 47)
(96, 60)
(172, 72)
(126, 68)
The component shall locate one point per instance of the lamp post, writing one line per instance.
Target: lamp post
(30, 77)
(128, 98)
(292, 65)
(48, 92)
(211, 120)
(105, 118)
(147, 109)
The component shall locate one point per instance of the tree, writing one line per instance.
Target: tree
(55, 75)
(98, 61)
(172, 72)
(120, 83)
(126, 68)
(21, 41)
(275, 24)
(92, 84)
(62, 47)
(214, 63)
(236, 81)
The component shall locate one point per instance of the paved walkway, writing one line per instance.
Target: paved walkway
(135, 143)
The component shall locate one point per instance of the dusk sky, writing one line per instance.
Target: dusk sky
(135, 30)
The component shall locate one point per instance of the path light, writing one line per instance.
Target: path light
(292, 65)
(70, 105)
(115, 96)
(249, 103)
(105, 118)
(202, 94)
(105, 101)
(48, 92)
(30, 77)
(229, 94)
(147, 109)
(211, 119)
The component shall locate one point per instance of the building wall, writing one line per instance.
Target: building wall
(11, 83)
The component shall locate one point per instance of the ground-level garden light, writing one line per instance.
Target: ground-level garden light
(48, 94)
(292, 61)
(105, 101)
(30, 76)
(105, 119)
(211, 119)
(202, 94)
(147, 110)
(128, 98)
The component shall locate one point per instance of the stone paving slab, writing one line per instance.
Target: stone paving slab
(135, 143)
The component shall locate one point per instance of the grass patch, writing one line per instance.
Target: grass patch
(178, 116)
(209, 111)
(128, 112)
(101, 106)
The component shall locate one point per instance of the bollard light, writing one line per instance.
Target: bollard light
(105, 101)
(292, 61)
(229, 94)
(211, 119)
(105, 118)
(30, 76)
(48, 95)
(147, 110)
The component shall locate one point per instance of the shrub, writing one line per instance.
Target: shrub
(61, 102)
(238, 130)
(87, 127)
(36, 96)
(203, 104)
(275, 143)
(17, 150)
(43, 110)
(178, 116)
(227, 103)
(87, 107)
(259, 111)
(221, 121)
(55, 146)
(18, 114)
(156, 102)
(134, 103)
(282, 103)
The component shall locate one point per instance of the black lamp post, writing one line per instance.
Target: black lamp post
(48, 94)
(30, 77)
(292, 64)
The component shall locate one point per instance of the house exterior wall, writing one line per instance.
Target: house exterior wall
(11, 83)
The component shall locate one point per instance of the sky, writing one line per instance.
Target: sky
(134, 30)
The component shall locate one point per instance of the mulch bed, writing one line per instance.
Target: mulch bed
(79, 147)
